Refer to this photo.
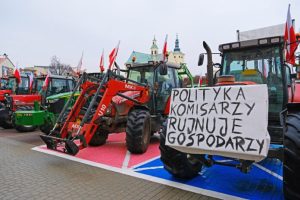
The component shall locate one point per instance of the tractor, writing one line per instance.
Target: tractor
(10, 87)
(45, 114)
(23, 103)
(4, 88)
(250, 62)
(136, 104)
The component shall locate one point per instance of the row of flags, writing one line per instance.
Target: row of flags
(113, 54)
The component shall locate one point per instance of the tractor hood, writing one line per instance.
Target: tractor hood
(25, 99)
(62, 95)
(2, 93)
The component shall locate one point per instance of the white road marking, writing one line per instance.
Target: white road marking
(126, 160)
(148, 168)
(268, 171)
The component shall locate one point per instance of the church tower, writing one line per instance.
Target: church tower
(176, 56)
(154, 48)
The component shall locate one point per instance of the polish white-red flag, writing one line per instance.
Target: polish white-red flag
(17, 75)
(80, 64)
(101, 65)
(290, 39)
(31, 80)
(165, 49)
(112, 56)
(47, 80)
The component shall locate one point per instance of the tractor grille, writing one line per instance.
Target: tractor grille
(57, 106)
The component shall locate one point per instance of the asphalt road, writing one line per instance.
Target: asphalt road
(27, 174)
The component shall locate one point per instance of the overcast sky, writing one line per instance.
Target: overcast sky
(32, 31)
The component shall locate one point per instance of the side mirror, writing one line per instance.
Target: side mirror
(163, 69)
(201, 59)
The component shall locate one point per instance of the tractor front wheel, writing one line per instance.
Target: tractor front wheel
(138, 131)
(180, 165)
(291, 159)
(99, 138)
(23, 128)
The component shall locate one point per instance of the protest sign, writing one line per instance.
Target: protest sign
(229, 121)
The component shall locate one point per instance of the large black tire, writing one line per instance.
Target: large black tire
(22, 128)
(291, 160)
(180, 165)
(5, 121)
(7, 124)
(138, 131)
(99, 138)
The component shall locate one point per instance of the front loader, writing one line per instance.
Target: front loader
(83, 120)
(136, 105)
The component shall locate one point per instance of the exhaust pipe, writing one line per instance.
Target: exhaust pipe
(210, 70)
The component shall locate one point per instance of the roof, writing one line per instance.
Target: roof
(143, 57)
(154, 46)
(2, 59)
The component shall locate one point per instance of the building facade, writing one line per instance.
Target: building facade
(6, 66)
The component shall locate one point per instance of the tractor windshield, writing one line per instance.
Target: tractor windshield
(59, 85)
(23, 87)
(39, 83)
(262, 66)
(142, 75)
(4, 84)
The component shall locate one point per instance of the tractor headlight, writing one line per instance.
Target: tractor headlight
(108, 111)
(52, 100)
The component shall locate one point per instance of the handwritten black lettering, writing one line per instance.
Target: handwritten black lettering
(240, 93)
(235, 125)
(250, 108)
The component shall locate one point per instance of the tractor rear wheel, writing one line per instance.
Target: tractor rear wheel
(23, 128)
(138, 131)
(291, 159)
(180, 165)
(99, 138)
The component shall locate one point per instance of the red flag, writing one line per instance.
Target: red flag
(102, 62)
(113, 55)
(165, 49)
(47, 80)
(290, 39)
(17, 75)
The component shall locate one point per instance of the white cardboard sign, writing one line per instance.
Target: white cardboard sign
(229, 121)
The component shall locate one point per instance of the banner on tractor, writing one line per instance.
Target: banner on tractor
(228, 121)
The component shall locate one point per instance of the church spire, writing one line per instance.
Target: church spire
(154, 48)
(176, 44)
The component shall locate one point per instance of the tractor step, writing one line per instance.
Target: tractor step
(52, 142)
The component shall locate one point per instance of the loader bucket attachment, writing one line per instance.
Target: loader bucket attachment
(50, 142)
(70, 147)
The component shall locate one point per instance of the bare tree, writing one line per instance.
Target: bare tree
(56, 67)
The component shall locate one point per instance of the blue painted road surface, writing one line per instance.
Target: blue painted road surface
(264, 181)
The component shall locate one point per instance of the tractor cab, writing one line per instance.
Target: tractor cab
(22, 88)
(3, 83)
(56, 84)
(161, 78)
(258, 61)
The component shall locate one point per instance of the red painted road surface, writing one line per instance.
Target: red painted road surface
(114, 152)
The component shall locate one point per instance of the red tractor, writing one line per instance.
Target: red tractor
(136, 104)
(4, 88)
(9, 87)
(24, 98)
(257, 61)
